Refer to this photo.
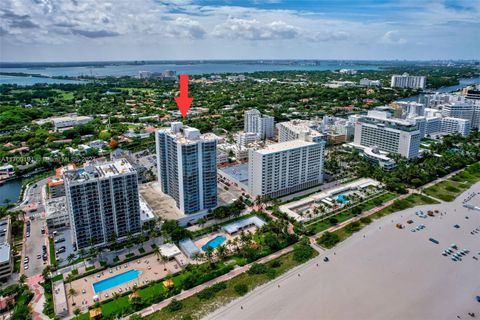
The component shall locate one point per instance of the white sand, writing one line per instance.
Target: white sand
(389, 274)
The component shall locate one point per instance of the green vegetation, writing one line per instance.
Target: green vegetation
(53, 258)
(329, 240)
(120, 104)
(19, 308)
(454, 153)
(302, 251)
(449, 189)
(195, 307)
(324, 223)
(244, 249)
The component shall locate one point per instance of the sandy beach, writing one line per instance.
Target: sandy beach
(381, 272)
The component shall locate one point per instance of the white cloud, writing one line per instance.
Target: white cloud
(392, 37)
(235, 28)
(185, 28)
(222, 31)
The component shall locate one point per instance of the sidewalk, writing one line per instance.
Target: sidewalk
(38, 299)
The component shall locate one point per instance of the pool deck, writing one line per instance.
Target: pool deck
(150, 268)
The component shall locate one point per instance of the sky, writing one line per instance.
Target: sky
(98, 30)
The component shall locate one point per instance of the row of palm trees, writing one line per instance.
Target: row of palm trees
(231, 247)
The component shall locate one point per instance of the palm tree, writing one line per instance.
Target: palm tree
(209, 255)
(221, 252)
(22, 279)
(200, 257)
(82, 253)
(71, 293)
(157, 252)
(70, 258)
(164, 261)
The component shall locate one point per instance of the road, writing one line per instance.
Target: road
(33, 245)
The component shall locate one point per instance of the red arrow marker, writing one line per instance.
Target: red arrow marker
(183, 101)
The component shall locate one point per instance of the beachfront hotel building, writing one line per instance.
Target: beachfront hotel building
(455, 125)
(463, 111)
(407, 81)
(187, 167)
(262, 125)
(392, 135)
(286, 167)
(103, 202)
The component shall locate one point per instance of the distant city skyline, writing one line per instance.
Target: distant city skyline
(91, 30)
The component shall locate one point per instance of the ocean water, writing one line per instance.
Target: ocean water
(193, 68)
(29, 81)
(10, 191)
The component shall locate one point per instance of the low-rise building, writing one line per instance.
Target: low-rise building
(6, 171)
(57, 214)
(66, 122)
(370, 83)
(6, 257)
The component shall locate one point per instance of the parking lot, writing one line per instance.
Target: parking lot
(33, 247)
(62, 254)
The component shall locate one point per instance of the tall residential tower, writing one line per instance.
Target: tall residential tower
(187, 167)
(262, 125)
(103, 202)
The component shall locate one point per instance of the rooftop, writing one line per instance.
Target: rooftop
(284, 146)
(301, 126)
(101, 170)
(241, 224)
(56, 206)
(185, 134)
(4, 230)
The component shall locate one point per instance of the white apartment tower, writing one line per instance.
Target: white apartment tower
(285, 167)
(187, 167)
(407, 81)
(262, 125)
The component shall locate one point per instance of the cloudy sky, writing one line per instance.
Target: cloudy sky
(81, 30)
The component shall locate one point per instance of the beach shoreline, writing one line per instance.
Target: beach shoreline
(381, 272)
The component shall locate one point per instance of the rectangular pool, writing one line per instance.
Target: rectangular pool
(117, 280)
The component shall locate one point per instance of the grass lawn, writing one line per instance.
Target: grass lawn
(346, 214)
(53, 258)
(197, 308)
(338, 236)
(449, 189)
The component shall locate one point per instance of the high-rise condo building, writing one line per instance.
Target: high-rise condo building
(103, 202)
(262, 125)
(285, 167)
(187, 167)
(377, 129)
(407, 81)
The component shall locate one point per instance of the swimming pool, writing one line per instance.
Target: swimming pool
(116, 280)
(215, 242)
(342, 199)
